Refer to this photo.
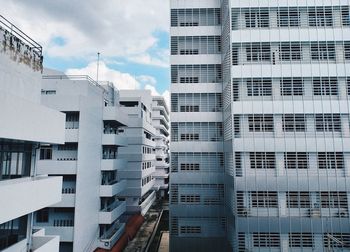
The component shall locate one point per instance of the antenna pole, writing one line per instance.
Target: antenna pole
(98, 65)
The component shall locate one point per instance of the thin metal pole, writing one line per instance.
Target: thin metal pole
(98, 65)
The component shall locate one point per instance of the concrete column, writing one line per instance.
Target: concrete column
(284, 242)
(282, 203)
(280, 170)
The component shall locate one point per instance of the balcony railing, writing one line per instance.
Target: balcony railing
(74, 78)
(63, 223)
(23, 48)
(112, 206)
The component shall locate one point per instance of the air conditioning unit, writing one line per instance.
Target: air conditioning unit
(315, 212)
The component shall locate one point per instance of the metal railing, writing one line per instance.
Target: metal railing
(74, 78)
(15, 31)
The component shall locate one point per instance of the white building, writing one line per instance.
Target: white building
(107, 161)
(160, 120)
(283, 69)
(140, 150)
(25, 125)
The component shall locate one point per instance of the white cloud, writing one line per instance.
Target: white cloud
(147, 80)
(118, 28)
(119, 79)
(165, 94)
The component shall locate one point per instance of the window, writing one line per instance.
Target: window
(292, 86)
(322, 51)
(46, 153)
(328, 123)
(334, 200)
(190, 167)
(288, 17)
(72, 120)
(330, 160)
(196, 74)
(257, 52)
(325, 86)
(264, 199)
(195, 17)
(298, 200)
(345, 15)
(48, 92)
(320, 16)
(42, 215)
(259, 87)
(300, 240)
(191, 199)
(266, 240)
(296, 160)
(189, 108)
(190, 230)
(260, 123)
(294, 123)
(336, 240)
(189, 45)
(255, 18)
(347, 50)
(290, 51)
(189, 137)
(262, 160)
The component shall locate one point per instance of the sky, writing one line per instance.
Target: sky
(132, 37)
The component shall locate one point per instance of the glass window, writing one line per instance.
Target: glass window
(260, 123)
(325, 86)
(330, 160)
(262, 160)
(292, 87)
(259, 87)
(264, 199)
(288, 17)
(296, 160)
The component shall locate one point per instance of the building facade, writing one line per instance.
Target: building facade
(140, 151)
(161, 121)
(26, 125)
(283, 69)
(107, 161)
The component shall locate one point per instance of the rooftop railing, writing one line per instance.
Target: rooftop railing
(74, 78)
(23, 49)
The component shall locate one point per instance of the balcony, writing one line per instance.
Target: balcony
(114, 139)
(66, 234)
(45, 190)
(108, 239)
(68, 200)
(113, 164)
(147, 187)
(113, 189)
(63, 167)
(114, 114)
(72, 136)
(112, 212)
(42, 243)
(147, 203)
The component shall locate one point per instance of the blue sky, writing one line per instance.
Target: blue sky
(161, 74)
(133, 41)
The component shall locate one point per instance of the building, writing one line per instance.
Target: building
(161, 120)
(25, 126)
(107, 161)
(140, 151)
(197, 149)
(282, 70)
